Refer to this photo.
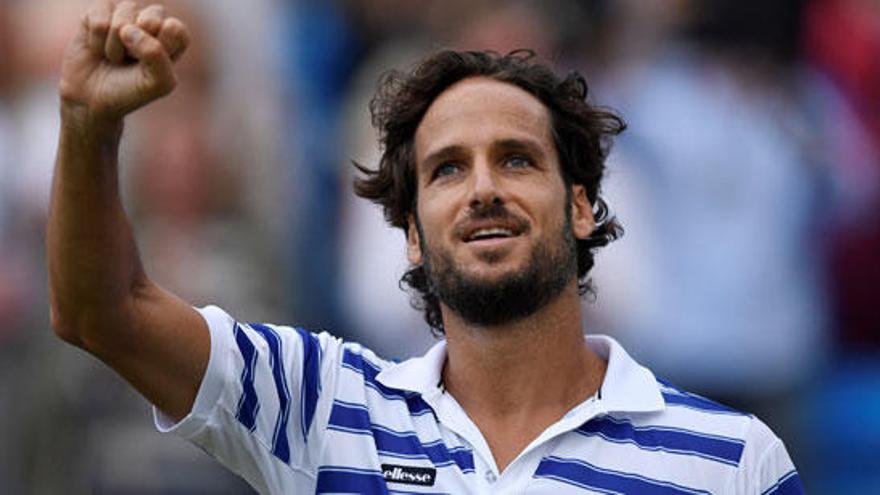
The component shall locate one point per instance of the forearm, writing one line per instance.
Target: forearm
(94, 267)
(120, 59)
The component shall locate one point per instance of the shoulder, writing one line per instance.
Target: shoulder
(689, 444)
(695, 425)
(685, 432)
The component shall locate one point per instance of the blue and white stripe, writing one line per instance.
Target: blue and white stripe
(355, 419)
(347, 479)
(789, 484)
(356, 362)
(311, 380)
(667, 439)
(248, 404)
(588, 476)
(679, 398)
(280, 442)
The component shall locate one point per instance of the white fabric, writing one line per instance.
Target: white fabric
(637, 435)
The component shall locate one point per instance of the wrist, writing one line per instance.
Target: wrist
(79, 121)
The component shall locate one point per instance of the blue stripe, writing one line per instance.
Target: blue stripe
(311, 380)
(414, 402)
(355, 419)
(677, 397)
(357, 363)
(392, 491)
(585, 475)
(406, 445)
(417, 406)
(280, 443)
(693, 401)
(463, 458)
(667, 439)
(790, 484)
(339, 479)
(248, 404)
(666, 383)
(349, 417)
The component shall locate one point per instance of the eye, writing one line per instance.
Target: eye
(518, 161)
(446, 169)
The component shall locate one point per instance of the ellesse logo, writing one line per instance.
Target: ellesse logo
(409, 475)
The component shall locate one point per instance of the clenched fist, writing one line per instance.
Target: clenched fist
(120, 59)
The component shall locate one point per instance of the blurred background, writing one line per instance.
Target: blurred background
(748, 183)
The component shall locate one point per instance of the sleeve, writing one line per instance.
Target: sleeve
(766, 468)
(260, 407)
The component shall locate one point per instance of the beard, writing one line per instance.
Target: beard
(512, 297)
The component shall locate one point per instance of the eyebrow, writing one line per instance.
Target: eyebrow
(524, 145)
(443, 154)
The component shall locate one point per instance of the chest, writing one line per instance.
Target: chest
(400, 446)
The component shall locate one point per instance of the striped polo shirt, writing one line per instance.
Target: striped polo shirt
(295, 412)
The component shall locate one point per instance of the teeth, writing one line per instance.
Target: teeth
(492, 232)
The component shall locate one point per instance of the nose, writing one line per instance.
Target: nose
(485, 187)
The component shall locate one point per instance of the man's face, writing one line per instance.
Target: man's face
(492, 202)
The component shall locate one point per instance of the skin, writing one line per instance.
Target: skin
(484, 141)
(101, 300)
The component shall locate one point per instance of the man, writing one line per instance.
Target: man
(491, 166)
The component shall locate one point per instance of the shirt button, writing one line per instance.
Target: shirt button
(490, 476)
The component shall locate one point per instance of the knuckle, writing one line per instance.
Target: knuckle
(173, 26)
(148, 23)
(99, 26)
(153, 12)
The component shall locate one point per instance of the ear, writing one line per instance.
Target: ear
(582, 222)
(413, 245)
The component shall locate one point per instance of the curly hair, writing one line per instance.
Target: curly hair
(582, 134)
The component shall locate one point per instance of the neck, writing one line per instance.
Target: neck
(537, 365)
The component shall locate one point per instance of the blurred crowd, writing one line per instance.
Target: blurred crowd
(748, 183)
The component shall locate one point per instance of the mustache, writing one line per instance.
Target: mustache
(491, 211)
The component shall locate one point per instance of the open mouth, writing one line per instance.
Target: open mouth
(490, 233)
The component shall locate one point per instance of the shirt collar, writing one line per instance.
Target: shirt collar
(627, 387)
(420, 374)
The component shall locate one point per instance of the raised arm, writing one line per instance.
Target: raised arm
(120, 59)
